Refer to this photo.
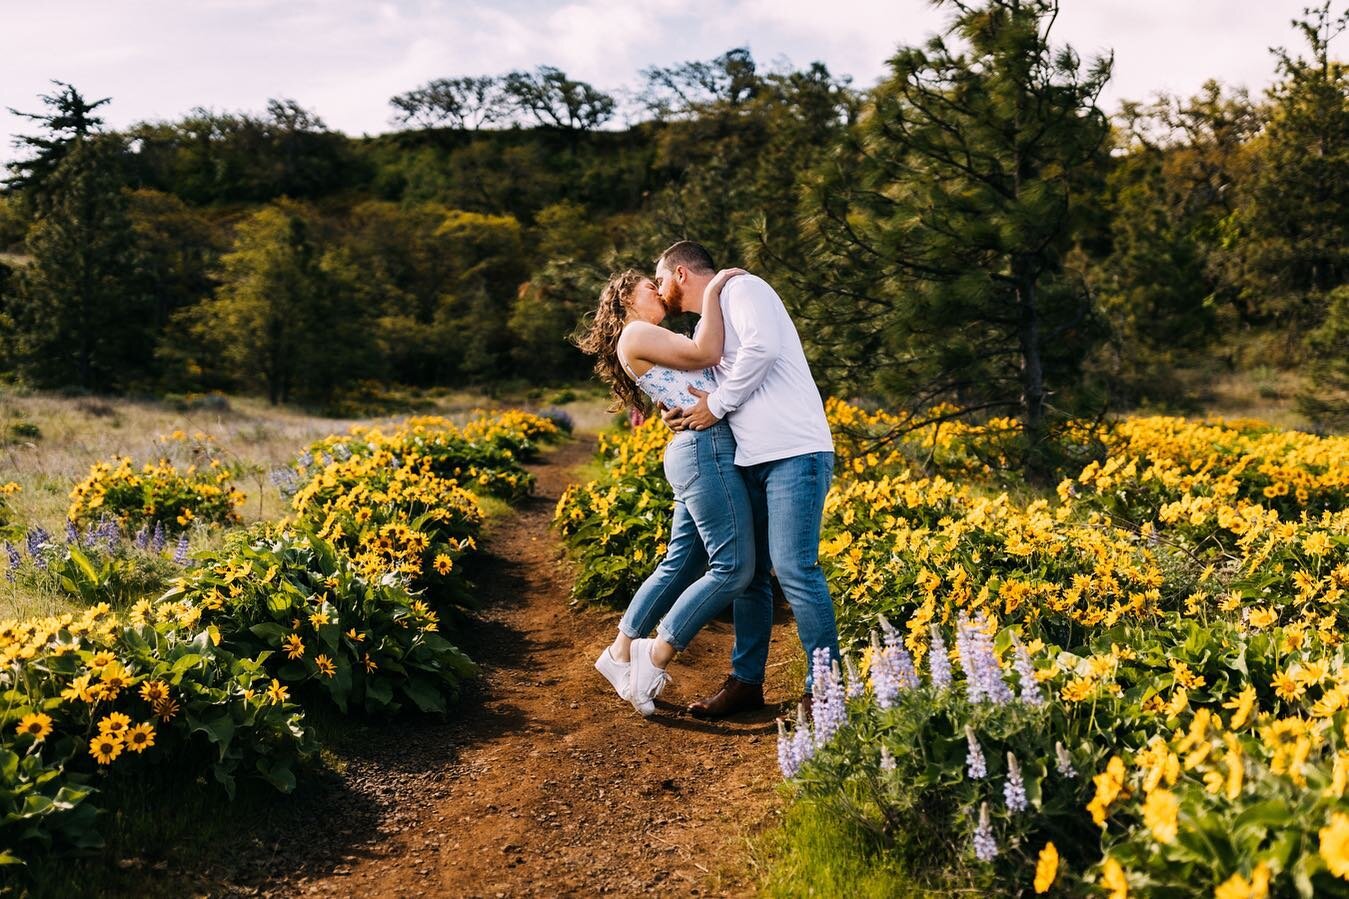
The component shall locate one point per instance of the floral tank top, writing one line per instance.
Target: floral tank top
(670, 387)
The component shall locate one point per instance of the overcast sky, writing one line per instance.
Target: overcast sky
(343, 59)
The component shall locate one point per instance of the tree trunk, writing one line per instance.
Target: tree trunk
(1032, 379)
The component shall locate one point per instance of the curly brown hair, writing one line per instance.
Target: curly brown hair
(598, 337)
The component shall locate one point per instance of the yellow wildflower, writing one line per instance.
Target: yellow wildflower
(114, 723)
(1046, 868)
(36, 725)
(1114, 879)
(293, 646)
(1160, 811)
(105, 747)
(1335, 845)
(276, 692)
(140, 738)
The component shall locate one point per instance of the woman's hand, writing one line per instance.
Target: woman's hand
(719, 280)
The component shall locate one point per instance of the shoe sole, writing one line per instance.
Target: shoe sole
(705, 715)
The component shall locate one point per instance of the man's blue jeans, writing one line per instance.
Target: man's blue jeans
(787, 500)
(709, 559)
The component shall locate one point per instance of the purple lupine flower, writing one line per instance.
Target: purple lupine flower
(142, 539)
(975, 762)
(856, 686)
(939, 664)
(901, 663)
(157, 538)
(306, 459)
(1025, 670)
(180, 551)
(1014, 789)
(109, 531)
(72, 533)
(884, 683)
(1064, 761)
(342, 452)
(983, 675)
(786, 752)
(830, 709)
(803, 742)
(985, 845)
(13, 557)
(887, 760)
(37, 540)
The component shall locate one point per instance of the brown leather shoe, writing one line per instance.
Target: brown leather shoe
(734, 696)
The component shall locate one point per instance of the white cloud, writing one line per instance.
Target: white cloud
(344, 59)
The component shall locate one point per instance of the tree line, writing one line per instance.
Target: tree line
(974, 233)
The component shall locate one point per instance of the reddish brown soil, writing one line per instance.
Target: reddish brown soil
(543, 782)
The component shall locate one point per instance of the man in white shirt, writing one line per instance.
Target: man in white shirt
(785, 453)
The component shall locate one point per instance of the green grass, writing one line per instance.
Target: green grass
(814, 853)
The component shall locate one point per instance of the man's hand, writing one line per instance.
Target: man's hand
(699, 418)
(673, 418)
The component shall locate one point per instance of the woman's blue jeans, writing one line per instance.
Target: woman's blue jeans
(709, 559)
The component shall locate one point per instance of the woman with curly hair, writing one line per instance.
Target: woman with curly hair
(644, 363)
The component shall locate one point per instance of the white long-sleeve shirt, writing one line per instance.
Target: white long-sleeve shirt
(764, 383)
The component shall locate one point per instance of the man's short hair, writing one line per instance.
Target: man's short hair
(693, 256)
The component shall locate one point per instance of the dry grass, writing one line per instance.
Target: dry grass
(76, 432)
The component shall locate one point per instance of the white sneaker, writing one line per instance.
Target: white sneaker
(616, 672)
(647, 679)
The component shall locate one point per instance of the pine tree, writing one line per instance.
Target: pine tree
(79, 317)
(941, 229)
(1291, 223)
(69, 121)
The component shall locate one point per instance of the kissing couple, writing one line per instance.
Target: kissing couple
(750, 463)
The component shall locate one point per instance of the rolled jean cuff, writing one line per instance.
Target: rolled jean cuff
(745, 680)
(626, 631)
(668, 637)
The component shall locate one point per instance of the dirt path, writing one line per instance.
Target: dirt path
(545, 783)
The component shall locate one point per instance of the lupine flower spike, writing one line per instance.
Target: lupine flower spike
(856, 686)
(1064, 761)
(985, 845)
(1014, 790)
(939, 664)
(975, 761)
(884, 684)
(1030, 685)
